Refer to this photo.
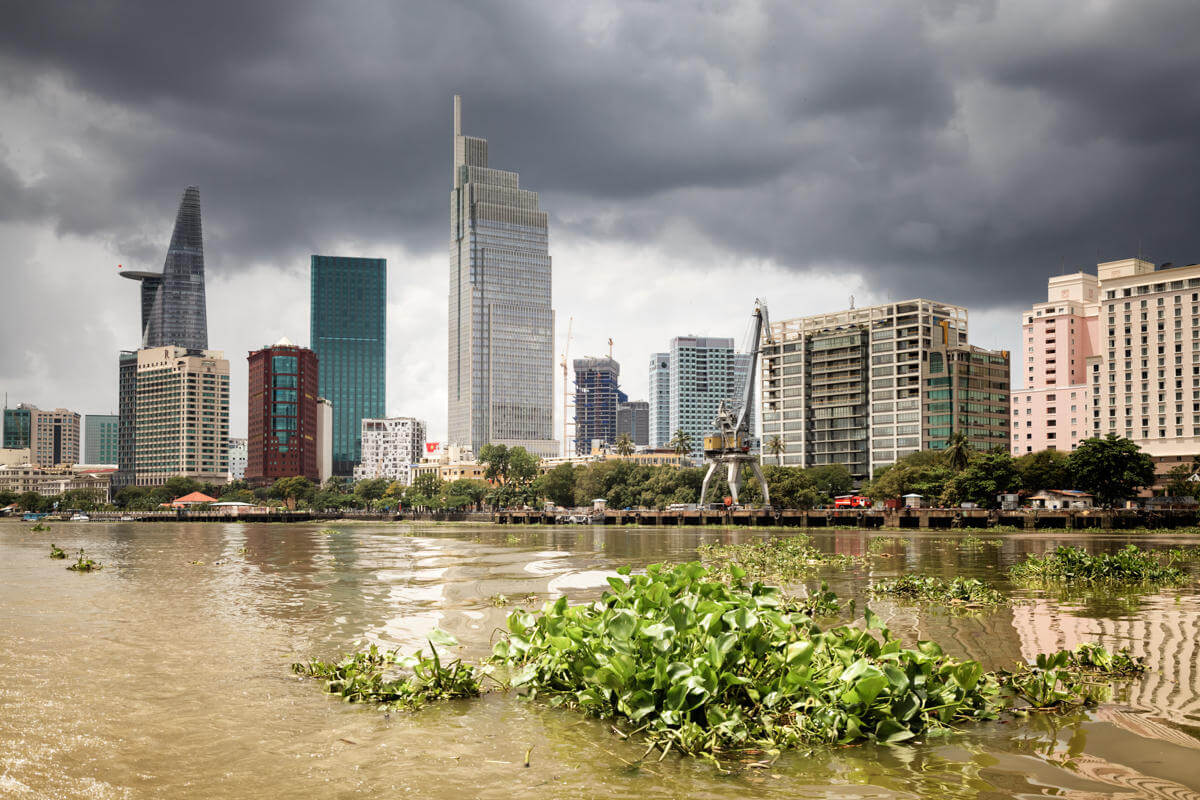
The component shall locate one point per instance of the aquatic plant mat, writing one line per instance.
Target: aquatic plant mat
(717, 668)
(1129, 565)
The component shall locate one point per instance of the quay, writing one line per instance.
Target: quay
(914, 518)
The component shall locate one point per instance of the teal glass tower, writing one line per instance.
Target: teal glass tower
(349, 335)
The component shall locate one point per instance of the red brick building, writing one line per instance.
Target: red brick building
(282, 429)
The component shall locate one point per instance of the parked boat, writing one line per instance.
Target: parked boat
(80, 517)
(32, 517)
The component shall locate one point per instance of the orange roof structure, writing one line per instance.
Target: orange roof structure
(192, 499)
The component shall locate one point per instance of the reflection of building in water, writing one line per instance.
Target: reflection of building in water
(988, 638)
(1165, 634)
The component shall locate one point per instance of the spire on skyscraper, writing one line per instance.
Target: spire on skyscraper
(173, 301)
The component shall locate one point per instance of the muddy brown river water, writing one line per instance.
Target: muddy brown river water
(166, 674)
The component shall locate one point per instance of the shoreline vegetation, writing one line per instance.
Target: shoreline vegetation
(709, 663)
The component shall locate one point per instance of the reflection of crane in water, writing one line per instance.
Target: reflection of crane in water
(730, 444)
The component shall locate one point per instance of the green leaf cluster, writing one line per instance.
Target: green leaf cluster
(782, 560)
(57, 552)
(378, 676)
(1128, 565)
(82, 563)
(959, 591)
(706, 667)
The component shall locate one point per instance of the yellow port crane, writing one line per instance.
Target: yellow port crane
(730, 443)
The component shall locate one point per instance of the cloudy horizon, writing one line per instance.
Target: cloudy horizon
(691, 156)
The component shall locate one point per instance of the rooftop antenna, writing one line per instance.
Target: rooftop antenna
(851, 302)
(610, 348)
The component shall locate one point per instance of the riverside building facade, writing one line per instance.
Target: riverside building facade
(633, 420)
(854, 387)
(349, 335)
(1053, 410)
(391, 448)
(52, 437)
(501, 325)
(282, 414)
(181, 415)
(659, 411)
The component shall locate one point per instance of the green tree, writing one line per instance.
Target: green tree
(681, 442)
(522, 466)
(494, 458)
(469, 489)
(235, 486)
(7, 497)
(791, 487)
(986, 476)
(958, 451)
(428, 484)
(557, 485)
(1179, 482)
(775, 448)
(293, 490)
(924, 472)
(32, 501)
(624, 445)
(130, 497)
(1045, 469)
(830, 479)
(370, 490)
(1112, 468)
(81, 499)
(178, 486)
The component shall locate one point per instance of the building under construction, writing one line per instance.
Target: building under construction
(596, 397)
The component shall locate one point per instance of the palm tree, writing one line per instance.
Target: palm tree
(775, 448)
(681, 443)
(958, 451)
(624, 445)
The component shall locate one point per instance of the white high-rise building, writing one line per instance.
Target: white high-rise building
(501, 325)
(390, 448)
(660, 399)
(238, 456)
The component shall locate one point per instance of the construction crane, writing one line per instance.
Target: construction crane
(566, 387)
(730, 443)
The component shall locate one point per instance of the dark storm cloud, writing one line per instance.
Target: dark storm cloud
(969, 147)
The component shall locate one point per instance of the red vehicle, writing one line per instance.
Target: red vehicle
(851, 501)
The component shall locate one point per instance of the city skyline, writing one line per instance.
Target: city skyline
(671, 190)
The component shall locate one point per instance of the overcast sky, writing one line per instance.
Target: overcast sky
(692, 156)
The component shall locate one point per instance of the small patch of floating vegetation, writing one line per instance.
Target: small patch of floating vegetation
(779, 560)
(378, 676)
(84, 564)
(882, 544)
(57, 552)
(40, 527)
(967, 592)
(1068, 678)
(330, 532)
(714, 669)
(972, 542)
(1128, 565)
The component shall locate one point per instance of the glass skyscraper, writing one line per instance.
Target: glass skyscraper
(597, 395)
(100, 438)
(349, 335)
(173, 304)
(501, 337)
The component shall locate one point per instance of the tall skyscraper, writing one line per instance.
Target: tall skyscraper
(349, 336)
(100, 438)
(660, 400)
(173, 301)
(182, 415)
(501, 331)
(702, 376)
(173, 314)
(596, 397)
(282, 414)
(633, 419)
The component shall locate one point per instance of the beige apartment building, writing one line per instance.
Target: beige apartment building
(865, 387)
(182, 417)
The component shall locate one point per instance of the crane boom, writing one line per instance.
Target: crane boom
(760, 320)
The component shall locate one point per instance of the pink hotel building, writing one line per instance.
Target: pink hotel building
(1053, 411)
(1118, 352)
